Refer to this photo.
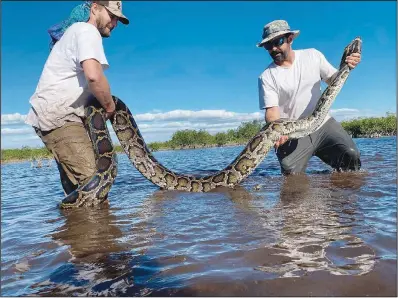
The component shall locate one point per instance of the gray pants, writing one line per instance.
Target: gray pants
(331, 143)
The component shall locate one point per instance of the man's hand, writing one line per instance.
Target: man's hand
(273, 114)
(353, 60)
(109, 115)
(281, 141)
(110, 111)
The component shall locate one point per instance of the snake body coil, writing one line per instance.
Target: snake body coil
(132, 142)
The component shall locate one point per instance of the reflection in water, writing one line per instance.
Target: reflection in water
(312, 227)
(89, 233)
(102, 261)
(317, 232)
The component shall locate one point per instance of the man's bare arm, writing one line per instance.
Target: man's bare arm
(272, 114)
(98, 84)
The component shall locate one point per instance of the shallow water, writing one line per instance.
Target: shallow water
(320, 234)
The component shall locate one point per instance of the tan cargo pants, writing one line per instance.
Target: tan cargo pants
(73, 152)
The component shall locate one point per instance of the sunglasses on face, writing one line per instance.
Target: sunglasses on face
(275, 43)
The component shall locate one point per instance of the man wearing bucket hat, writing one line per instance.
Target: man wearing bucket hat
(290, 88)
(72, 74)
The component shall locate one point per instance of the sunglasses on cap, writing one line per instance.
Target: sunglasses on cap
(275, 43)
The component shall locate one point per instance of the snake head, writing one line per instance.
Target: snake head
(354, 46)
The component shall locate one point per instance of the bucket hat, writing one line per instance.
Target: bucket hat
(274, 29)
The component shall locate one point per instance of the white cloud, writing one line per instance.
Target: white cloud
(12, 118)
(185, 125)
(156, 111)
(17, 131)
(343, 110)
(175, 115)
(203, 115)
(346, 113)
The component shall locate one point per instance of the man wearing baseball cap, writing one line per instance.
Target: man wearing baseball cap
(290, 88)
(72, 74)
(115, 8)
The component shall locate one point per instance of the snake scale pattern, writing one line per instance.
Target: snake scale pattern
(95, 191)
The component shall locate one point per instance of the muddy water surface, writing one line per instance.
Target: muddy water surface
(320, 234)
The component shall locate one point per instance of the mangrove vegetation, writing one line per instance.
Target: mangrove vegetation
(372, 126)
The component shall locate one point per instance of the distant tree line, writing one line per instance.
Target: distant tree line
(188, 138)
(361, 127)
(25, 153)
(372, 126)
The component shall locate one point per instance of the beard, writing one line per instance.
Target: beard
(104, 32)
(278, 56)
(103, 28)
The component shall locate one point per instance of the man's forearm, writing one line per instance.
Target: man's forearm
(271, 117)
(100, 89)
(272, 114)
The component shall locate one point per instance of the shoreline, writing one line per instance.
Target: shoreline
(187, 147)
(192, 147)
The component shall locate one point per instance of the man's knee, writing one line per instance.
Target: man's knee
(355, 157)
(77, 168)
(350, 160)
(85, 173)
(289, 166)
(84, 167)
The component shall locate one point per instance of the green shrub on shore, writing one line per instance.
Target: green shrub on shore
(192, 138)
(188, 138)
(25, 153)
(372, 126)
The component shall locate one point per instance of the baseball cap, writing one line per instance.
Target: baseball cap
(115, 7)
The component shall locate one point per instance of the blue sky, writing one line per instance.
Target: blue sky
(195, 64)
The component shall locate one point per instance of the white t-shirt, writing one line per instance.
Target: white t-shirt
(295, 89)
(62, 91)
